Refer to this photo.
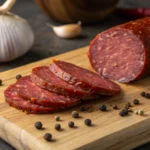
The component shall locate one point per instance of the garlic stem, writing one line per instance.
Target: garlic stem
(7, 6)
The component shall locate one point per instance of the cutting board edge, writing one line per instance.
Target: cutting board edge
(11, 133)
(143, 135)
(25, 139)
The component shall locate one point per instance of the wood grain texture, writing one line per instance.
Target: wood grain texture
(69, 11)
(109, 130)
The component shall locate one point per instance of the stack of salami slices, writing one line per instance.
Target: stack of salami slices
(57, 87)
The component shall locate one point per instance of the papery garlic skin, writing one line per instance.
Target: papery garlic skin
(16, 37)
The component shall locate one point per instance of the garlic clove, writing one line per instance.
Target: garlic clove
(67, 31)
(16, 37)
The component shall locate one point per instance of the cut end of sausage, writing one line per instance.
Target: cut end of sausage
(117, 54)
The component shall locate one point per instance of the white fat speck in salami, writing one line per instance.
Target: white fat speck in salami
(126, 45)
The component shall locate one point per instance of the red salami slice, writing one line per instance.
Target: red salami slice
(122, 53)
(44, 78)
(37, 95)
(14, 100)
(83, 78)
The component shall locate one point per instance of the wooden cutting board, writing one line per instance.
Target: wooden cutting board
(109, 130)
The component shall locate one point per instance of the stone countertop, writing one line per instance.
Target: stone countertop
(48, 44)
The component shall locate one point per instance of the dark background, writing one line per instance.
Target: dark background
(48, 44)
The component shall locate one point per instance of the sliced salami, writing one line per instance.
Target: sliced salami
(122, 53)
(44, 78)
(28, 90)
(14, 100)
(83, 78)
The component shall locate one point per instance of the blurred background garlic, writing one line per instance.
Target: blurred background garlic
(67, 31)
(16, 35)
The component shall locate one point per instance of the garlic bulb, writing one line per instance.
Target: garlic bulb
(67, 31)
(16, 35)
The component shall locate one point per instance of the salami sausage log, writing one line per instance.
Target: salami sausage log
(44, 78)
(14, 100)
(83, 78)
(37, 95)
(122, 53)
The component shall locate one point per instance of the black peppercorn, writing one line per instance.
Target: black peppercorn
(87, 122)
(142, 94)
(147, 95)
(57, 127)
(136, 101)
(75, 114)
(115, 107)
(82, 108)
(47, 136)
(71, 124)
(103, 107)
(123, 112)
(18, 76)
(38, 125)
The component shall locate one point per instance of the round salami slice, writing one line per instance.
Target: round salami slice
(122, 53)
(28, 90)
(84, 78)
(44, 78)
(14, 100)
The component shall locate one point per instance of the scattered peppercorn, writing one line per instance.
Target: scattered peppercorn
(82, 109)
(47, 136)
(38, 125)
(1, 82)
(147, 95)
(103, 107)
(142, 94)
(57, 118)
(18, 76)
(87, 122)
(123, 112)
(141, 112)
(136, 101)
(71, 124)
(115, 107)
(75, 114)
(57, 127)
